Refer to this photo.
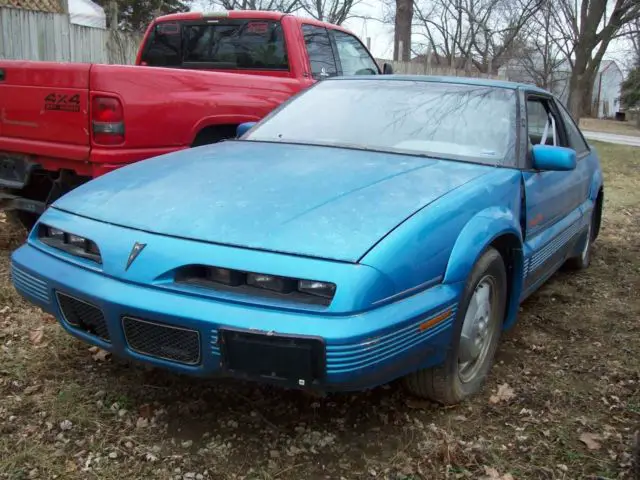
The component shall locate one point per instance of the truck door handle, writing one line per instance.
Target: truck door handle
(1, 75)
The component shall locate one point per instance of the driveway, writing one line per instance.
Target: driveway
(612, 138)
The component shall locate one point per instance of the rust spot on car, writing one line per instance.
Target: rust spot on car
(536, 220)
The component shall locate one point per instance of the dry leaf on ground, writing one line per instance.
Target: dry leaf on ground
(36, 335)
(99, 355)
(504, 394)
(591, 440)
(493, 474)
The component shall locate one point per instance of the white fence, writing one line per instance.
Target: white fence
(419, 68)
(28, 35)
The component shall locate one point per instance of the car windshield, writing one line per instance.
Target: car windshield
(446, 120)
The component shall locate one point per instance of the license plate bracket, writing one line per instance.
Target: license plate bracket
(298, 360)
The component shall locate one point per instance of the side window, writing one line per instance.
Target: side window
(323, 63)
(543, 126)
(576, 141)
(354, 58)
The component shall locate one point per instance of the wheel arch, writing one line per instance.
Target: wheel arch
(494, 227)
(224, 124)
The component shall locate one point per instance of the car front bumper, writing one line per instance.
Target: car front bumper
(311, 350)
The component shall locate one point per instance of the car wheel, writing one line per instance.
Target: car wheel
(475, 337)
(582, 261)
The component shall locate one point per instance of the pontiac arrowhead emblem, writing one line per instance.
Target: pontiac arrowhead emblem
(135, 251)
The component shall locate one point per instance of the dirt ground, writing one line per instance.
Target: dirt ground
(609, 126)
(562, 402)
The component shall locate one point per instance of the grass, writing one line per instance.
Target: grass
(573, 362)
(609, 126)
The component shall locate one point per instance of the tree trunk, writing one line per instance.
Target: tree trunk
(402, 33)
(581, 81)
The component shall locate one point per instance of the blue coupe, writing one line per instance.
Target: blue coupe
(368, 229)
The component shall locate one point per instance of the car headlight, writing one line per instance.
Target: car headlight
(54, 233)
(69, 242)
(271, 282)
(225, 276)
(321, 289)
(261, 284)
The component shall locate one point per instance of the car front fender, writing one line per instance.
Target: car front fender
(479, 232)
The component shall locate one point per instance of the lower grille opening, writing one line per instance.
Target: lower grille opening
(159, 340)
(83, 316)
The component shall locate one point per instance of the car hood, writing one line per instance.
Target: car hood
(315, 201)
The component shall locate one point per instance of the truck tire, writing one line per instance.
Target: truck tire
(21, 220)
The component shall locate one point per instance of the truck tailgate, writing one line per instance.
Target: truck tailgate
(44, 104)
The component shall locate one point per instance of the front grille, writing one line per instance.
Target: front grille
(162, 341)
(29, 284)
(83, 316)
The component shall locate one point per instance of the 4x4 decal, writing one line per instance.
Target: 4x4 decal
(63, 103)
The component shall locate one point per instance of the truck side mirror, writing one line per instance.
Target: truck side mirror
(387, 69)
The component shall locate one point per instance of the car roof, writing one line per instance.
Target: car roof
(484, 82)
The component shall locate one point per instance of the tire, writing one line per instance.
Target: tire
(456, 380)
(583, 260)
(20, 219)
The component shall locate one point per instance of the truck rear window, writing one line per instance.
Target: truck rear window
(229, 44)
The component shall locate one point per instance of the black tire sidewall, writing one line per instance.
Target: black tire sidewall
(489, 263)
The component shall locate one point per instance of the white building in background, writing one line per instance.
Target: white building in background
(607, 89)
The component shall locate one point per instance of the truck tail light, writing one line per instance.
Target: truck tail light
(107, 121)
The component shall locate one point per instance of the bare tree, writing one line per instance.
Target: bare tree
(477, 32)
(632, 29)
(284, 6)
(585, 30)
(538, 57)
(402, 31)
(332, 11)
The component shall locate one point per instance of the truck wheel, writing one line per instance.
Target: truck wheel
(21, 220)
(476, 332)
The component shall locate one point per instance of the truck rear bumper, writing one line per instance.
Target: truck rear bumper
(23, 157)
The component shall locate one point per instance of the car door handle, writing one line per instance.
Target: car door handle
(1, 75)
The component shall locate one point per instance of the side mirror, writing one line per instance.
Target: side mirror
(548, 157)
(244, 128)
(387, 69)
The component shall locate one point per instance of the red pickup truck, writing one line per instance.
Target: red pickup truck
(197, 77)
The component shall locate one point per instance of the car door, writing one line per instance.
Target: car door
(322, 60)
(554, 200)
